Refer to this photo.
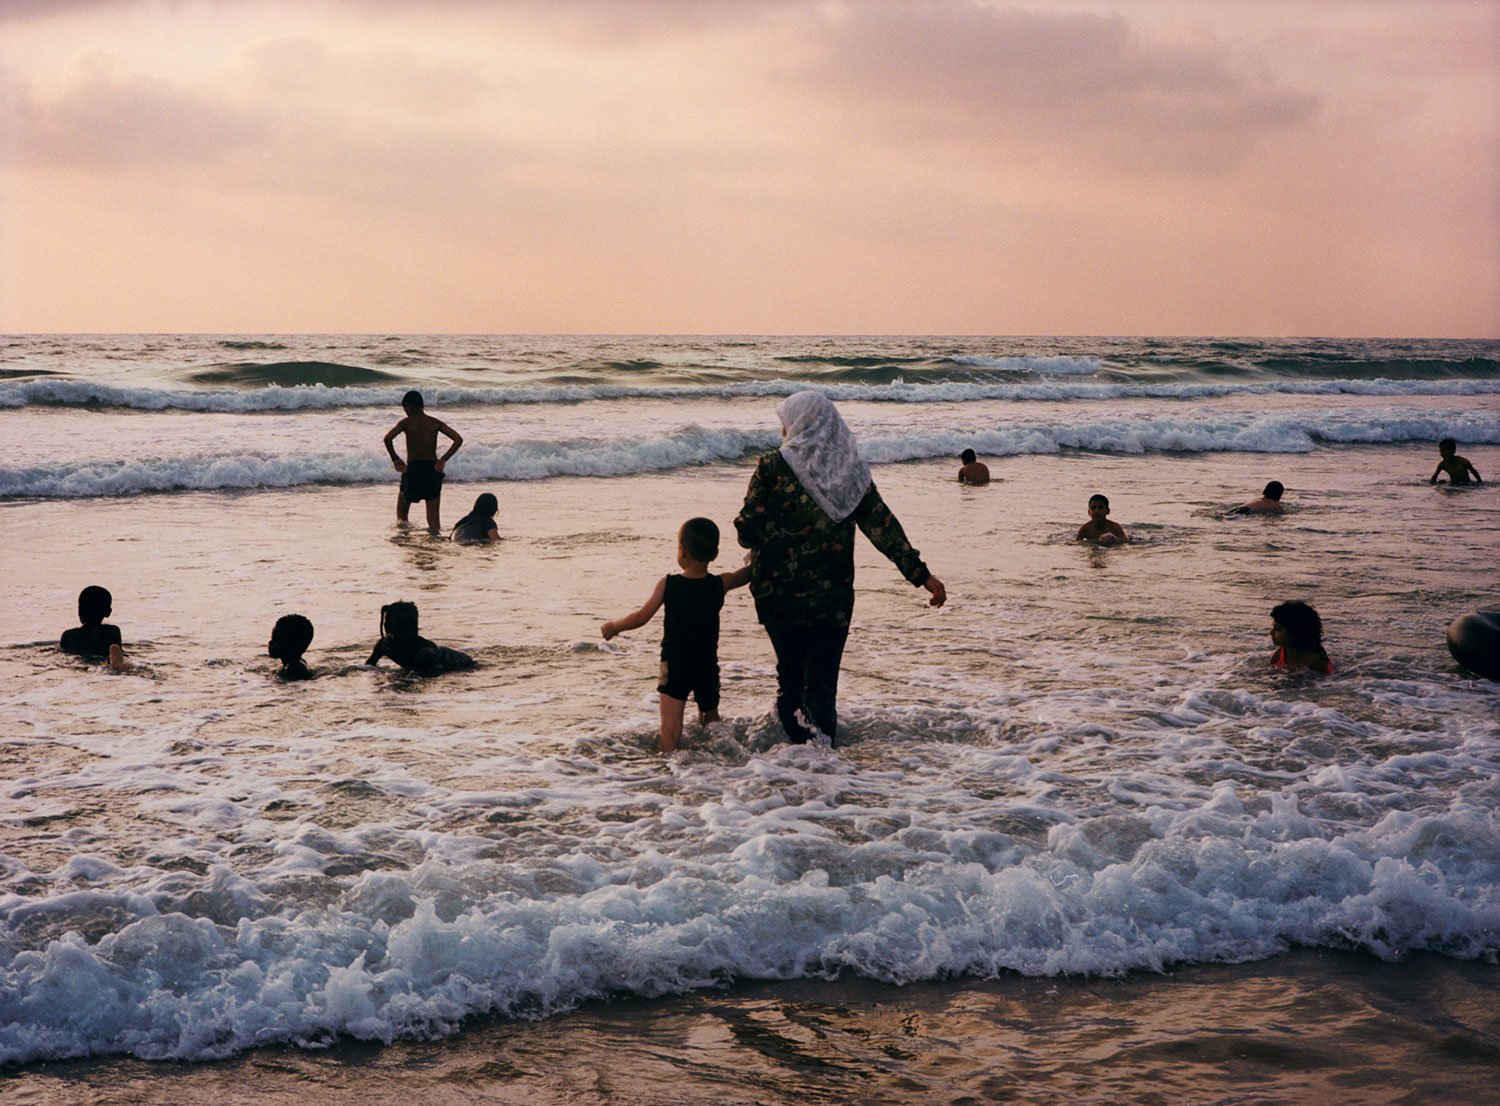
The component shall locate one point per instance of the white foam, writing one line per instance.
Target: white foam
(1298, 432)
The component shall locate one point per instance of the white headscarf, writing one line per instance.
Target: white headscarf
(824, 454)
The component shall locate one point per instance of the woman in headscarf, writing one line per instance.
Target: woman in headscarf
(798, 520)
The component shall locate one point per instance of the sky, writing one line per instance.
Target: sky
(1058, 167)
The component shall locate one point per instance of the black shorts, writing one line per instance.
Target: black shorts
(420, 481)
(680, 679)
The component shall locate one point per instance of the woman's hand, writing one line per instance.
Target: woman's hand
(939, 593)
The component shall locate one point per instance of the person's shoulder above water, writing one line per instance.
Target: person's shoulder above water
(90, 641)
(972, 470)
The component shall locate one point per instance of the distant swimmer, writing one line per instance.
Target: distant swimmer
(1269, 502)
(1458, 468)
(95, 639)
(690, 637)
(400, 641)
(479, 524)
(290, 637)
(422, 471)
(1297, 633)
(974, 471)
(1099, 529)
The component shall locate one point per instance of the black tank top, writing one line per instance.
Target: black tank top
(691, 627)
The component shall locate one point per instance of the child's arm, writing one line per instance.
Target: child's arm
(378, 653)
(444, 428)
(636, 619)
(395, 431)
(1119, 531)
(736, 579)
(1083, 532)
(1474, 472)
(1436, 473)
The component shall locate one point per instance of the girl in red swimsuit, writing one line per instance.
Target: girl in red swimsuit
(1297, 632)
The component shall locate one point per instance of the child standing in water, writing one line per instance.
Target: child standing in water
(690, 636)
(422, 471)
(290, 637)
(1297, 633)
(95, 639)
(400, 641)
(1458, 468)
(1098, 529)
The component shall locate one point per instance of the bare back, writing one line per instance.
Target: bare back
(421, 432)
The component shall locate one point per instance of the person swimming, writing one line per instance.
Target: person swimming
(1297, 632)
(400, 641)
(290, 637)
(479, 524)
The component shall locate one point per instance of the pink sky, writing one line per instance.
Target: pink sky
(1246, 167)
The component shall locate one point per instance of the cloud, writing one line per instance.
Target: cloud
(1086, 85)
(106, 117)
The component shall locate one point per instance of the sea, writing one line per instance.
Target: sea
(1079, 840)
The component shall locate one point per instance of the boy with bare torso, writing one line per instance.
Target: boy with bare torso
(1458, 468)
(1099, 529)
(422, 471)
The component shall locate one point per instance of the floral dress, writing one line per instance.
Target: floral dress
(803, 573)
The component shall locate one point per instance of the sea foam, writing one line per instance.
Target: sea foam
(686, 446)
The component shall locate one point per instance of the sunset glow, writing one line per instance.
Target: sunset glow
(1116, 167)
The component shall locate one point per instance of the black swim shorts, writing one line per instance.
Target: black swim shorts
(420, 481)
(679, 679)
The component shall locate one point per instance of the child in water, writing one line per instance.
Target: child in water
(400, 641)
(95, 639)
(1098, 529)
(1297, 633)
(690, 636)
(1458, 468)
(290, 638)
(1269, 502)
(972, 470)
(479, 524)
(422, 471)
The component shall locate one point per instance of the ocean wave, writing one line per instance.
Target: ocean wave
(1062, 366)
(205, 967)
(301, 396)
(289, 374)
(693, 445)
(229, 343)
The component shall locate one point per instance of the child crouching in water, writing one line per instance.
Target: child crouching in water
(93, 638)
(1297, 632)
(400, 641)
(290, 637)
(690, 634)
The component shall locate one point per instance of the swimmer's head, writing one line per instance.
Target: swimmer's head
(1447, 447)
(398, 619)
(1098, 503)
(1303, 627)
(968, 457)
(290, 637)
(699, 538)
(412, 403)
(1274, 490)
(94, 604)
(486, 506)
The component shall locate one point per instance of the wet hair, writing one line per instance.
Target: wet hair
(398, 619)
(1301, 623)
(1447, 444)
(700, 539)
(412, 399)
(94, 604)
(290, 637)
(486, 506)
(1274, 490)
(968, 457)
(1102, 500)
